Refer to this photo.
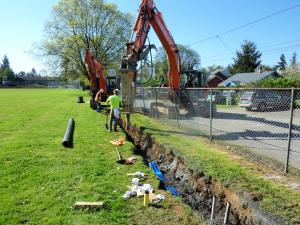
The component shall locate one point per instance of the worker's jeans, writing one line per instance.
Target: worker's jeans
(113, 121)
(98, 106)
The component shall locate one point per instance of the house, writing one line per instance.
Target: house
(217, 77)
(241, 79)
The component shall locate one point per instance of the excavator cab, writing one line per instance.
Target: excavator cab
(111, 84)
(192, 79)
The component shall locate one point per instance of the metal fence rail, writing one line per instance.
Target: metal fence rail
(265, 122)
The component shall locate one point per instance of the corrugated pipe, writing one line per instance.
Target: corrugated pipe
(68, 138)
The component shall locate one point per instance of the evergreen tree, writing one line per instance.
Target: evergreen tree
(5, 63)
(281, 65)
(33, 73)
(6, 73)
(294, 60)
(247, 59)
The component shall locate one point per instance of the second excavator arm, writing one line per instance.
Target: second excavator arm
(95, 67)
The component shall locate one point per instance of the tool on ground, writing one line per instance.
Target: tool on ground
(119, 142)
(120, 160)
(137, 174)
(153, 165)
(146, 198)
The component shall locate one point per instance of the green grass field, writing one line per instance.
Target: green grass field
(40, 180)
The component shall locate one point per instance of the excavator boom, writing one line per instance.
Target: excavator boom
(94, 68)
(149, 16)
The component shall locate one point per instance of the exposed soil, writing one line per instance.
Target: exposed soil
(197, 189)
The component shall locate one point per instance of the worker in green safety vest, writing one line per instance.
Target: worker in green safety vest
(114, 101)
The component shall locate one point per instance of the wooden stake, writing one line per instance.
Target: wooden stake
(88, 205)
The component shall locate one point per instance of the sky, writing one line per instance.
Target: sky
(190, 21)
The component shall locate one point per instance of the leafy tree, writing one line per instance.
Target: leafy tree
(280, 82)
(281, 65)
(189, 60)
(247, 59)
(80, 24)
(6, 73)
(21, 74)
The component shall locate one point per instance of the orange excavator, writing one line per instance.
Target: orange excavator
(148, 16)
(99, 82)
(179, 99)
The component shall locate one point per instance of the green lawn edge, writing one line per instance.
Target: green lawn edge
(204, 157)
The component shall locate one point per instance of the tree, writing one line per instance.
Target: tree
(80, 24)
(214, 68)
(265, 68)
(189, 60)
(281, 65)
(294, 60)
(293, 69)
(5, 63)
(21, 74)
(33, 73)
(6, 73)
(247, 59)
(280, 82)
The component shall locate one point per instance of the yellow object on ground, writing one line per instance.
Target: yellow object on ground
(118, 142)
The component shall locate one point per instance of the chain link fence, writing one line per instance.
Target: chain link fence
(264, 123)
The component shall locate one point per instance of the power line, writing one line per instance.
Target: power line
(245, 25)
(225, 45)
(264, 52)
(278, 44)
(264, 46)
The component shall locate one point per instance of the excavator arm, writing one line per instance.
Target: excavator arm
(94, 68)
(91, 70)
(149, 16)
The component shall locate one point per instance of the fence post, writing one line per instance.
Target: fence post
(176, 111)
(156, 107)
(290, 131)
(227, 213)
(213, 207)
(144, 106)
(210, 115)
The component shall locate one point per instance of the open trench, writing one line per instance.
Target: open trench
(197, 189)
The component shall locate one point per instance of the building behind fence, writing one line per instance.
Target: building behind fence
(265, 122)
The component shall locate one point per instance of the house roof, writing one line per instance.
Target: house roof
(245, 78)
(225, 72)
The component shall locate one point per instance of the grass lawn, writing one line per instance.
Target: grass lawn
(232, 171)
(40, 180)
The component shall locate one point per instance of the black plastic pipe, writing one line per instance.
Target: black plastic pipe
(68, 139)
